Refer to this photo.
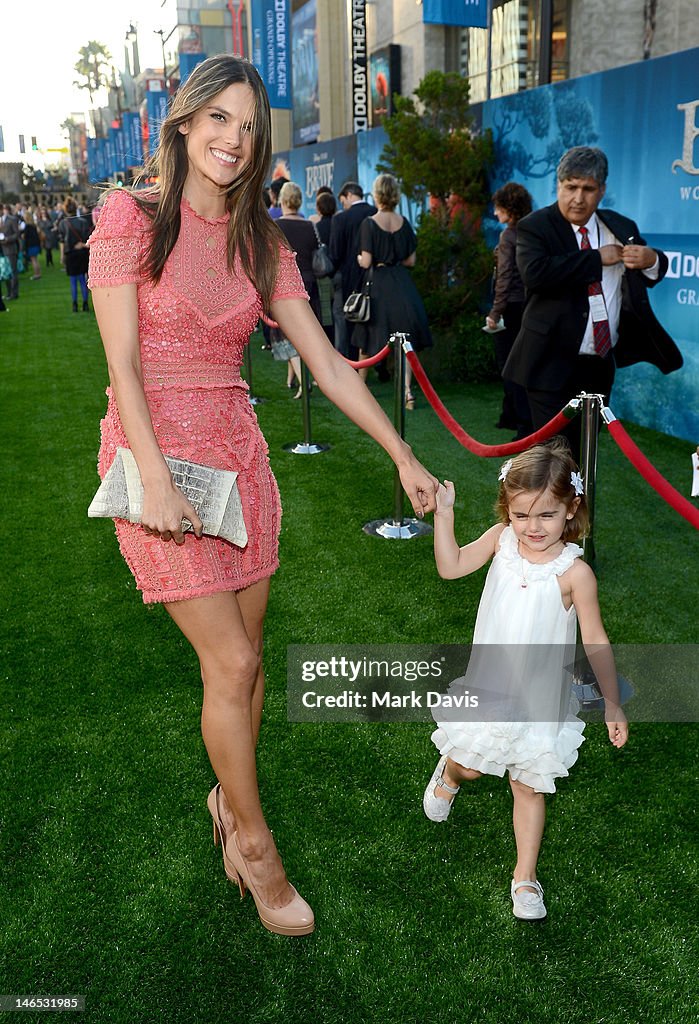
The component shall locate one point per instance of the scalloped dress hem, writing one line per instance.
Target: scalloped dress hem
(169, 597)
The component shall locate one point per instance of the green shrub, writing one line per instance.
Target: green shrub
(466, 352)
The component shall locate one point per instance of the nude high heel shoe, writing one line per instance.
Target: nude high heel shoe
(296, 918)
(212, 802)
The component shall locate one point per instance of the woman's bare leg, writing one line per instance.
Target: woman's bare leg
(226, 633)
(295, 363)
(408, 376)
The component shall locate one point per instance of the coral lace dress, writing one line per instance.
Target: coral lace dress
(193, 326)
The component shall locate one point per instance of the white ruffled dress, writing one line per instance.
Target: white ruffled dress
(524, 649)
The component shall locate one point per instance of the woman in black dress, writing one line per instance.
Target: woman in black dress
(303, 240)
(387, 245)
(326, 207)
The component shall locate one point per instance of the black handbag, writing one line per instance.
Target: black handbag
(321, 264)
(357, 307)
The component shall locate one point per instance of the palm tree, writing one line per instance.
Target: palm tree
(94, 59)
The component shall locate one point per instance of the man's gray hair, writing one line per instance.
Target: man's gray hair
(583, 162)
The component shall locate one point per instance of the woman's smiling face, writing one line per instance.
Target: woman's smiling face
(219, 136)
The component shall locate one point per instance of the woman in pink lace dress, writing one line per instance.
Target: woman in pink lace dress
(179, 277)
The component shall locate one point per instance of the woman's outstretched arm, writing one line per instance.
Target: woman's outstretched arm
(343, 386)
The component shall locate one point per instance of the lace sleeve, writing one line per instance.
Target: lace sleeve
(289, 283)
(116, 243)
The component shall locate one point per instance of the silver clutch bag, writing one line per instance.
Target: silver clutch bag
(213, 493)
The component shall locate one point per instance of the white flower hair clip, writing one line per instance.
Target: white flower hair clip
(505, 470)
(577, 482)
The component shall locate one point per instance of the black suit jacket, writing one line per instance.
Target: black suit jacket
(9, 226)
(556, 275)
(344, 244)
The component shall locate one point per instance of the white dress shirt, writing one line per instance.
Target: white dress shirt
(599, 235)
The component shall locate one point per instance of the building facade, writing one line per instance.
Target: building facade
(345, 59)
(529, 43)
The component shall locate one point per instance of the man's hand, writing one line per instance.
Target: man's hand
(611, 254)
(638, 257)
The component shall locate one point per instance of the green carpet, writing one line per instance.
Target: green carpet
(111, 887)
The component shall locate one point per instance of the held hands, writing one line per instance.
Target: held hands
(419, 485)
(617, 725)
(446, 495)
(164, 509)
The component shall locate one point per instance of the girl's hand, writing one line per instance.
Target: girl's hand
(164, 508)
(446, 495)
(617, 725)
(419, 485)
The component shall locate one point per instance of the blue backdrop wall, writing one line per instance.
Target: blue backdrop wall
(646, 118)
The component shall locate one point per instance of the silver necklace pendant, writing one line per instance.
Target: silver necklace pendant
(523, 585)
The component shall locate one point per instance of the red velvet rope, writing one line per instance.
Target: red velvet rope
(554, 426)
(651, 475)
(371, 361)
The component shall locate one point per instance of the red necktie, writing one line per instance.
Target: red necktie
(600, 328)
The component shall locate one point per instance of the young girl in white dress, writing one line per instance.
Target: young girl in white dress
(524, 638)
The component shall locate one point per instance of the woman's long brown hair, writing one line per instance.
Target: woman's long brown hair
(252, 234)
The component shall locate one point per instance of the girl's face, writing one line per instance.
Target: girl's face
(219, 137)
(538, 522)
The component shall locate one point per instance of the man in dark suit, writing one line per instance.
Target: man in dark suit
(586, 273)
(9, 245)
(343, 249)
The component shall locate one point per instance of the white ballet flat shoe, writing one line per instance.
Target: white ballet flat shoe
(527, 906)
(437, 807)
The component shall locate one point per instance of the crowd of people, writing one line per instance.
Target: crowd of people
(369, 246)
(27, 232)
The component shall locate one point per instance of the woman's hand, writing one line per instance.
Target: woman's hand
(164, 509)
(419, 485)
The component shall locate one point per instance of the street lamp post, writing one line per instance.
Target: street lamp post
(133, 67)
(161, 32)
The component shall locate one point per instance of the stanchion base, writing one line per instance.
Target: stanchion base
(254, 400)
(301, 448)
(392, 529)
(586, 689)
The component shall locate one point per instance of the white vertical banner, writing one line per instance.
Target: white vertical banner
(360, 78)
